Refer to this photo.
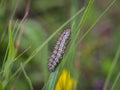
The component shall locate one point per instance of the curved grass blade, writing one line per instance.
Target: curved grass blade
(116, 81)
(70, 52)
(90, 29)
(27, 78)
(10, 58)
(115, 60)
(39, 48)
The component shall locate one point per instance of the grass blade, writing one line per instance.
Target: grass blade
(115, 82)
(39, 48)
(10, 58)
(111, 4)
(27, 78)
(115, 60)
(71, 52)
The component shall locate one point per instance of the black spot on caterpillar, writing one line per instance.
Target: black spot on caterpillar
(59, 50)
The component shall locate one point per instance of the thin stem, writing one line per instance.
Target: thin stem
(115, 82)
(115, 60)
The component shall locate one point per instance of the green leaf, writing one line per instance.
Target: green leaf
(10, 58)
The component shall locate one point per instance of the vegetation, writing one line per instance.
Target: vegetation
(29, 30)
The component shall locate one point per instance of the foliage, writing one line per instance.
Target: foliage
(91, 61)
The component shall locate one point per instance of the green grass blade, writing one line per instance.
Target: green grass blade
(115, 82)
(74, 9)
(84, 17)
(39, 48)
(52, 81)
(27, 78)
(115, 60)
(86, 33)
(10, 58)
(52, 87)
(6, 53)
(72, 51)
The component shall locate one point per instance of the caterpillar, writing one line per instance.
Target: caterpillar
(59, 50)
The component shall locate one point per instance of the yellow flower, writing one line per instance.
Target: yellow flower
(66, 82)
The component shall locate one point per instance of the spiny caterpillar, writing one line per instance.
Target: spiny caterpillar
(59, 50)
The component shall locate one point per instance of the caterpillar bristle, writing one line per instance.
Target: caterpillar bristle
(59, 50)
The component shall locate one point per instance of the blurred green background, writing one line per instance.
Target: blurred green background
(94, 55)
